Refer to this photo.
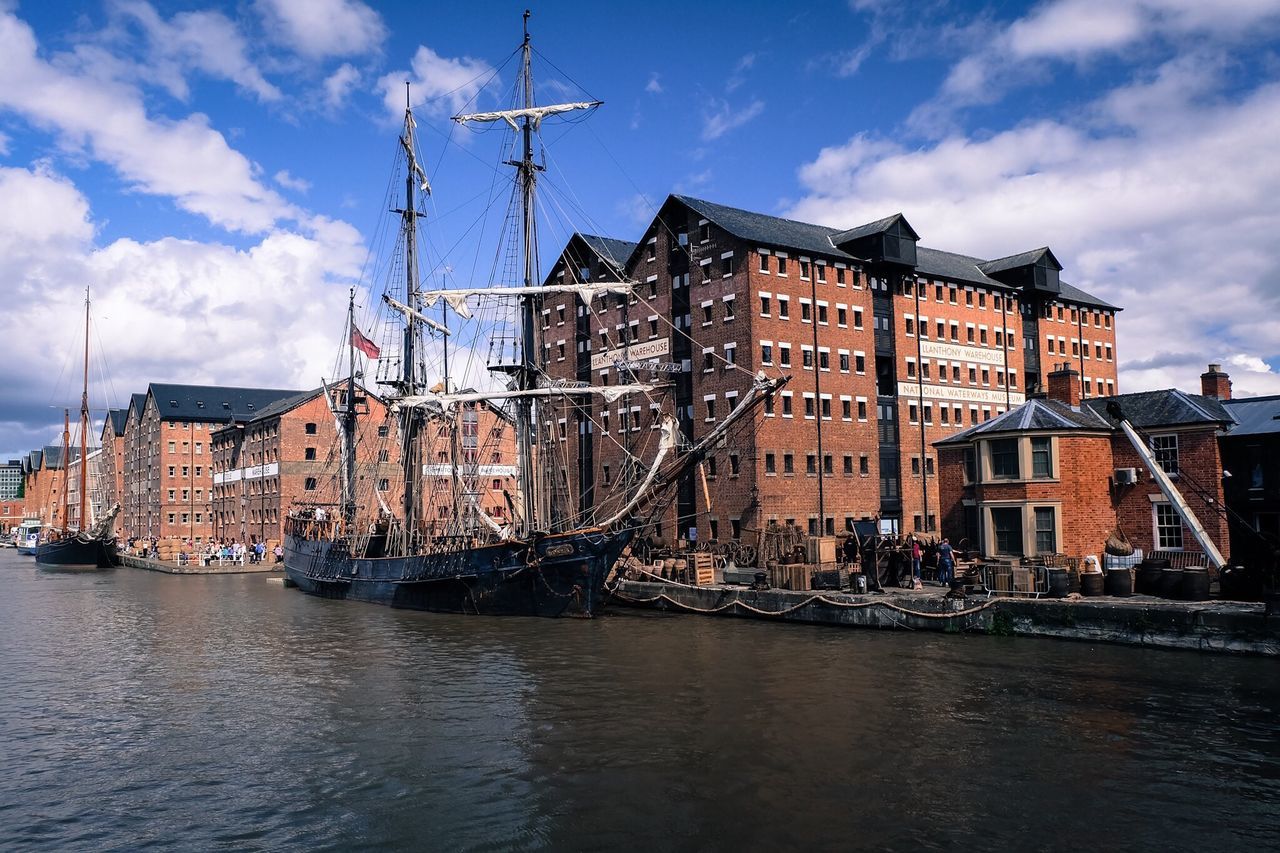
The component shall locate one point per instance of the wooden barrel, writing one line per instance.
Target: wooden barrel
(1059, 583)
(1073, 581)
(1119, 582)
(1162, 563)
(1170, 583)
(1195, 583)
(1147, 581)
(1091, 583)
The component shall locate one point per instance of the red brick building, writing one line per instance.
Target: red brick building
(482, 475)
(1056, 475)
(890, 346)
(286, 456)
(112, 462)
(168, 472)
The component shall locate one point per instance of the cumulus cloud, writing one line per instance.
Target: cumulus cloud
(184, 159)
(437, 84)
(1080, 31)
(1156, 197)
(654, 86)
(338, 85)
(270, 314)
(318, 29)
(289, 182)
(206, 41)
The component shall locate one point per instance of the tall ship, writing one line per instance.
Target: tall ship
(90, 543)
(478, 521)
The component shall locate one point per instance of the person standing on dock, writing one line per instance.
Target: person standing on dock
(916, 555)
(946, 562)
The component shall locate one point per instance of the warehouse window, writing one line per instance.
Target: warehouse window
(1165, 448)
(1168, 527)
(1006, 524)
(310, 484)
(1004, 458)
(1046, 531)
(311, 429)
(1041, 458)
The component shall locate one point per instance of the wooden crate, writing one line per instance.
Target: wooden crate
(821, 549)
(791, 576)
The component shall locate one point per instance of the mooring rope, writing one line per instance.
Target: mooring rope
(851, 605)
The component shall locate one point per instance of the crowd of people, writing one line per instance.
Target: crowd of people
(214, 551)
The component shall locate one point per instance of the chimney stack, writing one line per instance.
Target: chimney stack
(1214, 383)
(1064, 385)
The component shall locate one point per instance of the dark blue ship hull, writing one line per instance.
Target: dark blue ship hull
(76, 553)
(557, 575)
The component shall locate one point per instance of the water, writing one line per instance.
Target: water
(141, 711)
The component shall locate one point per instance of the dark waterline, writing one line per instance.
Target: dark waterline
(150, 711)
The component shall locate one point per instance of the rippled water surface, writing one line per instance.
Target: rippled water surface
(140, 711)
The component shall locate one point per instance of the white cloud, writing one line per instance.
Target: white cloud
(289, 182)
(184, 159)
(270, 315)
(207, 41)
(438, 84)
(324, 28)
(721, 117)
(1158, 198)
(654, 86)
(1080, 31)
(338, 85)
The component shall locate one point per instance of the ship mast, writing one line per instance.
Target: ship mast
(84, 419)
(527, 377)
(66, 471)
(411, 382)
(349, 423)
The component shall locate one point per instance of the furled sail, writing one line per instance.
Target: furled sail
(534, 114)
(456, 298)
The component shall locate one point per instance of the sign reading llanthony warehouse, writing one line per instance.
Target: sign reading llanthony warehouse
(961, 394)
(254, 472)
(634, 352)
(960, 352)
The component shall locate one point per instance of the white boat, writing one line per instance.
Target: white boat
(27, 537)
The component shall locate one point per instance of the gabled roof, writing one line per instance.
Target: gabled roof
(137, 403)
(35, 460)
(1035, 415)
(1254, 415)
(1164, 408)
(878, 227)
(819, 239)
(769, 230)
(52, 456)
(1022, 259)
(212, 403)
(116, 419)
(1071, 293)
(610, 250)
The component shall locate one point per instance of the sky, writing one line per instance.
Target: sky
(216, 173)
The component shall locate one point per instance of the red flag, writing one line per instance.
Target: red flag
(363, 344)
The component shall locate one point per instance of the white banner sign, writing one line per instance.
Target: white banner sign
(910, 391)
(253, 472)
(960, 352)
(464, 470)
(634, 352)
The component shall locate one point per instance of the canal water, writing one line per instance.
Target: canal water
(147, 711)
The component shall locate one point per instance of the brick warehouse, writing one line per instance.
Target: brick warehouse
(1055, 475)
(891, 346)
(283, 456)
(168, 474)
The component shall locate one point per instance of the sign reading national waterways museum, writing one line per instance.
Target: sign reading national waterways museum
(961, 394)
(633, 352)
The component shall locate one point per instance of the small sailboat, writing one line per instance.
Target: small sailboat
(91, 545)
(531, 559)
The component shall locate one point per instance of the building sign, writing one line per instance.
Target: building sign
(633, 352)
(651, 366)
(960, 352)
(253, 472)
(462, 469)
(952, 394)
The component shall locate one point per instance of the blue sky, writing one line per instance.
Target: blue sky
(216, 170)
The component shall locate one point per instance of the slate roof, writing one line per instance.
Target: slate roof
(877, 227)
(1022, 259)
(1034, 415)
(117, 417)
(137, 403)
(1254, 415)
(52, 456)
(1167, 407)
(610, 250)
(819, 239)
(212, 403)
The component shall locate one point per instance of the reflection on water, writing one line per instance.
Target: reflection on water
(142, 710)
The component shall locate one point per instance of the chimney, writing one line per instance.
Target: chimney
(1064, 385)
(1214, 383)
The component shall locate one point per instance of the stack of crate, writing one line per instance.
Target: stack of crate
(703, 569)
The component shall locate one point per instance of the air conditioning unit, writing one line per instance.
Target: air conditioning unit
(1126, 476)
